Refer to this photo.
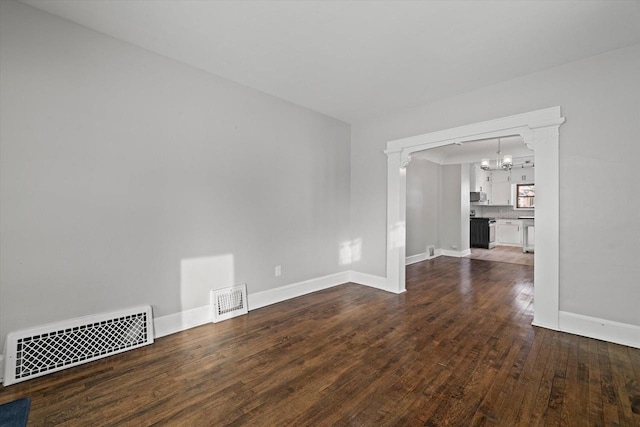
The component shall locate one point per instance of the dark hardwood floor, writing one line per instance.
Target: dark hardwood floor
(457, 349)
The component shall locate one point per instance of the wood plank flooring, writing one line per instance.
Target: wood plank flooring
(511, 254)
(457, 349)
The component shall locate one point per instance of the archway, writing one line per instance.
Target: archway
(540, 130)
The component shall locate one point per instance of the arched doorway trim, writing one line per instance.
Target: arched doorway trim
(540, 130)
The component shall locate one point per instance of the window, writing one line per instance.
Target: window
(526, 196)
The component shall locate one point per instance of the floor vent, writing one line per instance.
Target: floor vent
(35, 352)
(229, 302)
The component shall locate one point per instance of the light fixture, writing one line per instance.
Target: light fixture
(507, 162)
(504, 163)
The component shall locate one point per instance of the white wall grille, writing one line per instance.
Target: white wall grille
(229, 302)
(39, 351)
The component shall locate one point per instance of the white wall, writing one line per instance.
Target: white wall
(454, 225)
(423, 206)
(129, 178)
(599, 158)
(437, 207)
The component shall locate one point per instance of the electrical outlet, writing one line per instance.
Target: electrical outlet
(278, 270)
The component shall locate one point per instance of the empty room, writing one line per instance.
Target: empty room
(321, 213)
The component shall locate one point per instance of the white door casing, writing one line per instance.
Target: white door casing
(540, 131)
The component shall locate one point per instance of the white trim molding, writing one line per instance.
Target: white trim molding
(412, 259)
(601, 329)
(370, 280)
(540, 131)
(181, 321)
(578, 324)
(283, 293)
(456, 254)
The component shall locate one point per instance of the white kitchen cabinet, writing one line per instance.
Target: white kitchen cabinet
(509, 232)
(523, 176)
(484, 182)
(501, 194)
(528, 235)
(500, 176)
(478, 179)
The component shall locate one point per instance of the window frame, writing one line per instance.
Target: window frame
(517, 196)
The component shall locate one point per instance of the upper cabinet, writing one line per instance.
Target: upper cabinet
(501, 194)
(500, 176)
(500, 188)
(499, 185)
(478, 179)
(523, 176)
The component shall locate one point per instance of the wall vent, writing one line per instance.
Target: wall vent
(35, 352)
(229, 302)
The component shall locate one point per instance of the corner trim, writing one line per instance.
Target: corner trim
(457, 254)
(601, 329)
(424, 257)
(370, 280)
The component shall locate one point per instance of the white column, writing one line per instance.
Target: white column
(396, 220)
(546, 264)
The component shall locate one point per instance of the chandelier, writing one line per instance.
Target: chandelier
(502, 162)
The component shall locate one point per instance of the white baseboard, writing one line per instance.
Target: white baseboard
(283, 293)
(177, 322)
(370, 280)
(543, 325)
(424, 256)
(456, 254)
(416, 258)
(601, 329)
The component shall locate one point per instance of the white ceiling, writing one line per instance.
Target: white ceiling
(356, 60)
(475, 151)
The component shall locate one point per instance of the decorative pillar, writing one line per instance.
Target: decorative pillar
(545, 141)
(397, 161)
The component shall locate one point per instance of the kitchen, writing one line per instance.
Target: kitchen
(492, 215)
(502, 212)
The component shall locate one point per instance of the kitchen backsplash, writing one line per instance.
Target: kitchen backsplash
(501, 212)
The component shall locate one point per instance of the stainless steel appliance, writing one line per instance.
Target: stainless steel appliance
(492, 233)
(476, 196)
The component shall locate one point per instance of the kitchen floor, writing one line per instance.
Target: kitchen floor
(510, 254)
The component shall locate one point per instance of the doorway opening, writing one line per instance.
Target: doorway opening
(540, 131)
(478, 200)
